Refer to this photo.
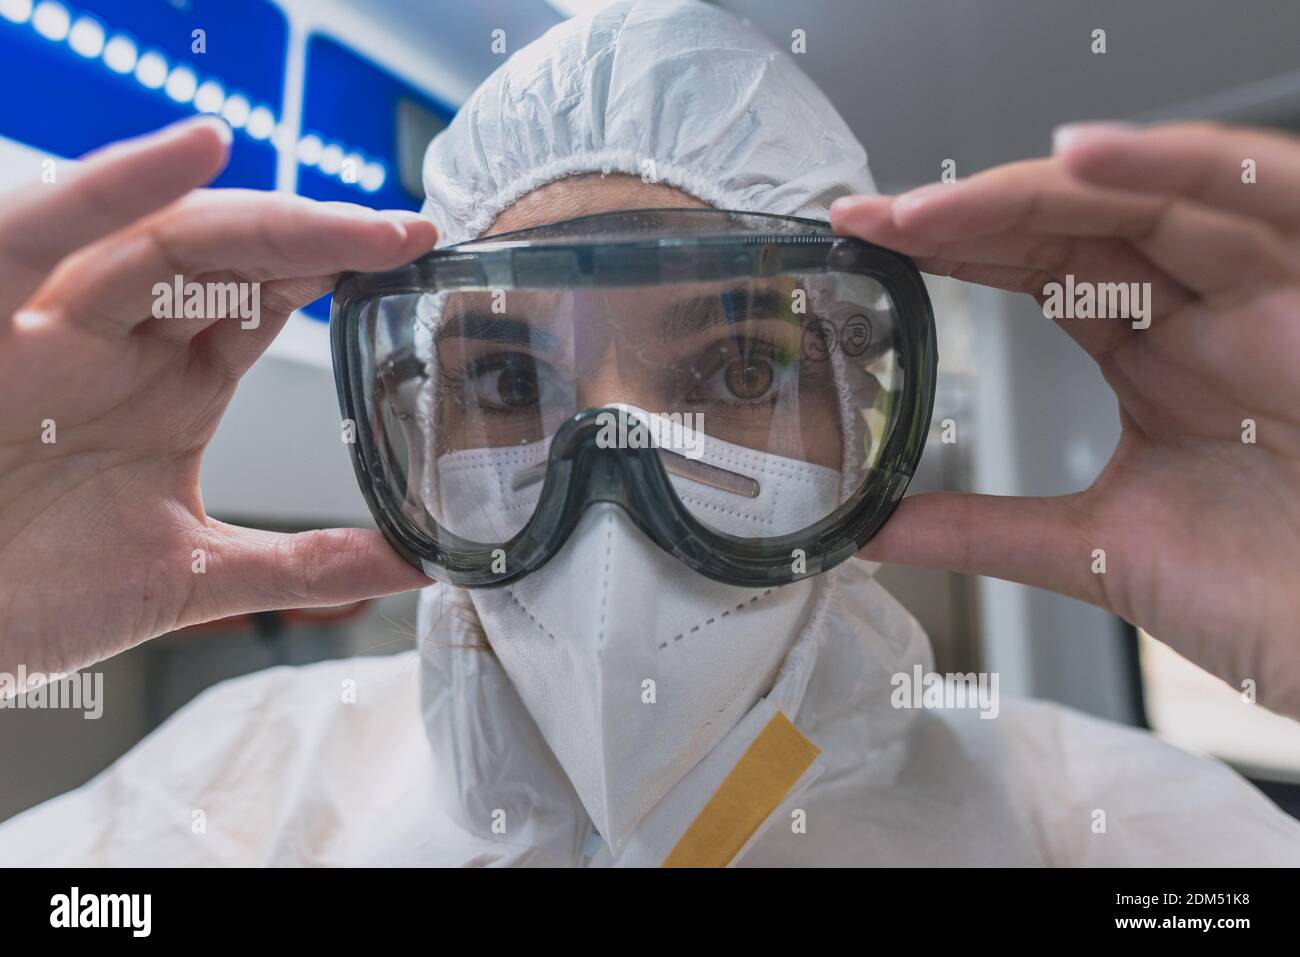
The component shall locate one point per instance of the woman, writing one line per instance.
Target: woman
(653, 104)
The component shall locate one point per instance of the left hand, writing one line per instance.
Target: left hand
(1200, 527)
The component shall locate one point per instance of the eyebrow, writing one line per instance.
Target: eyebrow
(690, 316)
(682, 319)
(487, 327)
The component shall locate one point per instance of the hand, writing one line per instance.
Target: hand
(105, 410)
(1200, 527)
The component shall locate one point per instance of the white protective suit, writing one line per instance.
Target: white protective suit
(329, 764)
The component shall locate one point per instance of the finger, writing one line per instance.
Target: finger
(1251, 173)
(1097, 258)
(232, 347)
(249, 570)
(1205, 250)
(277, 236)
(1021, 263)
(41, 224)
(245, 236)
(1035, 541)
(1035, 197)
(1213, 252)
(1008, 278)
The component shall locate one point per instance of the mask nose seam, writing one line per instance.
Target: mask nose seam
(604, 591)
(709, 621)
(531, 617)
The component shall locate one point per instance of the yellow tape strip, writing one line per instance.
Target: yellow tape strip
(754, 789)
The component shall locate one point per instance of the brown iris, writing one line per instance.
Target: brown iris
(748, 378)
(518, 386)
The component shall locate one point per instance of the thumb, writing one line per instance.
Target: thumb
(249, 570)
(1035, 541)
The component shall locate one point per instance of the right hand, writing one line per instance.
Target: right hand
(99, 528)
(1197, 525)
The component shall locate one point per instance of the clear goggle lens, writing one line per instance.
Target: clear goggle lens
(767, 400)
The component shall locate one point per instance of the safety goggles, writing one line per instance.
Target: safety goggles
(753, 390)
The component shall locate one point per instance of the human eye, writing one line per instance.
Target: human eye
(742, 373)
(509, 382)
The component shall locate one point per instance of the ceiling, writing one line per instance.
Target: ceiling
(984, 82)
(977, 81)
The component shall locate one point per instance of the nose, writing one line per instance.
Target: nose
(613, 381)
(607, 473)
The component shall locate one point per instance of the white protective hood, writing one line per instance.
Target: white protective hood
(686, 94)
(675, 90)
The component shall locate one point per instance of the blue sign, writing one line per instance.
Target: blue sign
(85, 73)
(364, 131)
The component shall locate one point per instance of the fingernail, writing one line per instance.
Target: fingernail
(915, 198)
(215, 123)
(223, 129)
(1075, 134)
(844, 204)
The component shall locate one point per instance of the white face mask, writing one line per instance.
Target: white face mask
(633, 665)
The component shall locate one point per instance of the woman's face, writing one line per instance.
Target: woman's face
(727, 353)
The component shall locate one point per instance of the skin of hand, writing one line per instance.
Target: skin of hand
(1200, 527)
(101, 528)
